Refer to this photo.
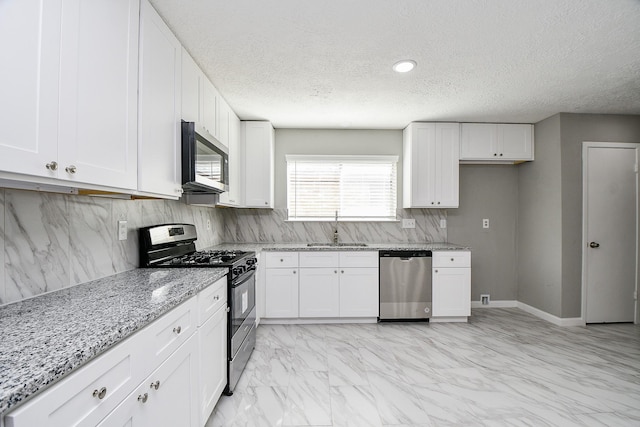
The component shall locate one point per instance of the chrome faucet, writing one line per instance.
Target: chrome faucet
(335, 231)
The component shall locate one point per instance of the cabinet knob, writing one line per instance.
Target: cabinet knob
(432, 203)
(155, 385)
(177, 330)
(342, 271)
(266, 203)
(500, 154)
(281, 260)
(495, 154)
(52, 166)
(451, 259)
(294, 272)
(335, 271)
(436, 271)
(217, 297)
(100, 394)
(438, 202)
(71, 169)
(143, 398)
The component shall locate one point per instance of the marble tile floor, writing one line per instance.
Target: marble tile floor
(504, 368)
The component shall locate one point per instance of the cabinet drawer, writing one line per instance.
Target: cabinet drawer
(361, 259)
(452, 259)
(169, 332)
(319, 259)
(281, 259)
(88, 394)
(211, 299)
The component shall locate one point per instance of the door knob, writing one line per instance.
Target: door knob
(594, 245)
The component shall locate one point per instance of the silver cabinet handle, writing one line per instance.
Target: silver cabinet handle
(100, 394)
(52, 166)
(143, 398)
(177, 330)
(71, 169)
(155, 385)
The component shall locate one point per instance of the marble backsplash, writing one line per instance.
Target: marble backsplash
(270, 225)
(50, 241)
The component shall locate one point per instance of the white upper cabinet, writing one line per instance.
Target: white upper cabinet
(159, 104)
(491, 142)
(30, 46)
(70, 91)
(192, 89)
(258, 138)
(233, 197)
(430, 165)
(210, 108)
(99, 92)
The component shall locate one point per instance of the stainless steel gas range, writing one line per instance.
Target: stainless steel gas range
(172, 245)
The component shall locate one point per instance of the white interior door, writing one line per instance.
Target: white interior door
(610, 231)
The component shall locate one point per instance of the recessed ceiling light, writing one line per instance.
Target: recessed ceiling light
(404, 66)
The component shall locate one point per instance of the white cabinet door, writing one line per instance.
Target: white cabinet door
(159, 103)
(478, 141)
(224, 113)
(212, 376)
(281, 293)
(319, 292)
(515, 141)
(192, 89)
(258, 138)
(359, 292)
(233, 197)
(451, 292)
(431, 155)
(98, 134)
(173, 389)
(447, 161)
(29, 75)
(209, 107)
(496, 142)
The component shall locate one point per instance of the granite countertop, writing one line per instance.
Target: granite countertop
(271, 247)
(46, 337)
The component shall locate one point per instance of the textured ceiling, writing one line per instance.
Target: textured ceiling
(327, 63)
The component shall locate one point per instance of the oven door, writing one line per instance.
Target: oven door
(242, 313)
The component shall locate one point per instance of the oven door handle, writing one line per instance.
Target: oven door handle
(244, 280)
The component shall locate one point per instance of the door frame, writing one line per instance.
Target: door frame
(586, 145)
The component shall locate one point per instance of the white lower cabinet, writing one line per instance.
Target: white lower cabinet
(212, 378)
(452, 284)
(359, 292)
(319, 292)
(281, 293)
(166, 398)
(171, 373)
(321, 284)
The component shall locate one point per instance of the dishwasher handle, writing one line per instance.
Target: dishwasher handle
(405, 255)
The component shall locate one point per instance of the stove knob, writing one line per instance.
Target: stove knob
(242, 269)
(251, 261)
(235, 271)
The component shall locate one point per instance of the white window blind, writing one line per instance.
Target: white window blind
(357, 187)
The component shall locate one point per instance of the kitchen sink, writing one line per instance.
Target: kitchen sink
(337, 245)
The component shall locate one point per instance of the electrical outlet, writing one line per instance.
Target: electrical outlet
(408, 223)
(208, 224)
(485, 299)
(443, 223)
(485, 223)
(122, 230)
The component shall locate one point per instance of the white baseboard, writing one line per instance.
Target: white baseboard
(559, 321)
(495, 304)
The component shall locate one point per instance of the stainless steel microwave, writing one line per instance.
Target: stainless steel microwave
(205, 163)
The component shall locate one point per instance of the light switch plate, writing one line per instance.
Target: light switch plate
(408, 223)
(485, 223)
(443, 223)
(122, 230)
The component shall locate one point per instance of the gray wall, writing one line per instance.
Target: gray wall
(574, 130)
(52, 241)
(550, 208)
(488, 191)
(539, 222)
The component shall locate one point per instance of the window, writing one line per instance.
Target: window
(356, 187)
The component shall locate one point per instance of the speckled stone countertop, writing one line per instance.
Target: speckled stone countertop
(271, 247)
(46, 337)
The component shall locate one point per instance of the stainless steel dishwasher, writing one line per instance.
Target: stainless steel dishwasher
(405, 285)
